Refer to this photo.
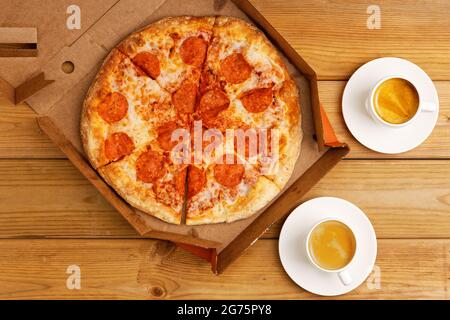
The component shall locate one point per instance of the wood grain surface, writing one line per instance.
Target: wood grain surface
(50, 198)
(51, 217)
(333, 36)
(149, 269)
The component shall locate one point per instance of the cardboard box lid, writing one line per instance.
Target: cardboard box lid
(49, 17)
(61, 101)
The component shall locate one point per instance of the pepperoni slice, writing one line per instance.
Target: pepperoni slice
(113, 108)
(257, 100)
(212, 103)
(229, 175)
(165, 135)
(193, 51)
(150, 166)
(117, 146)
(235, 68)
(207, 79)
(180, 181)
(196, 180)
(185, 97)
(247, 152)
(148, 62)
(140, 72)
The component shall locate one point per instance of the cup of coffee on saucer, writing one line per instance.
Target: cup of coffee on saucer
(331, 246)
(328, 246)
(390, 105)
(395, 101)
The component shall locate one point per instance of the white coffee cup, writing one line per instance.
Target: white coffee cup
(424, 106)
(342, 273)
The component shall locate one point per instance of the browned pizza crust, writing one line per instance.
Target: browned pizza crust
(160, 199)
(95, 93)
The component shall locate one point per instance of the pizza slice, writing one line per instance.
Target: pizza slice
(244, 66)
(278, 133)
(171, 51)
(149, 181)
(243, 59)
(225, 191)
(123, 111)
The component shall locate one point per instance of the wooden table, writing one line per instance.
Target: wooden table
(51, 217)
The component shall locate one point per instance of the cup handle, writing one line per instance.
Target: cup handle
(428, 106)
(345, 278)
(367, 104)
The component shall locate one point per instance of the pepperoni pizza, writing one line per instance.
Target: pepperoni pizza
(216, 73)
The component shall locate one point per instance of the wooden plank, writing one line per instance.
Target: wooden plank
(50, 198)
(402, 198)
(20, 136)
(148, 269)
(334, 38)
(42, 198)
(434, 147)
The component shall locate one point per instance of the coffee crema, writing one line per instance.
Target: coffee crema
(396, 101)
(332, 245)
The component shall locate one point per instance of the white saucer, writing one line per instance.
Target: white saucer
(292, 247)
(376, 136)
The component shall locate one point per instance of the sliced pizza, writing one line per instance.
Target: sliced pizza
(149, 181)
(122, 112)
(226, 191)
(219, 70)
(245, 84)
(172, 50)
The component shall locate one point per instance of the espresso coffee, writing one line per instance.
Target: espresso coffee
(396, 101)
(332, 245)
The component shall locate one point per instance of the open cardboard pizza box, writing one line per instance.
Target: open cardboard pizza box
(57, 97)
